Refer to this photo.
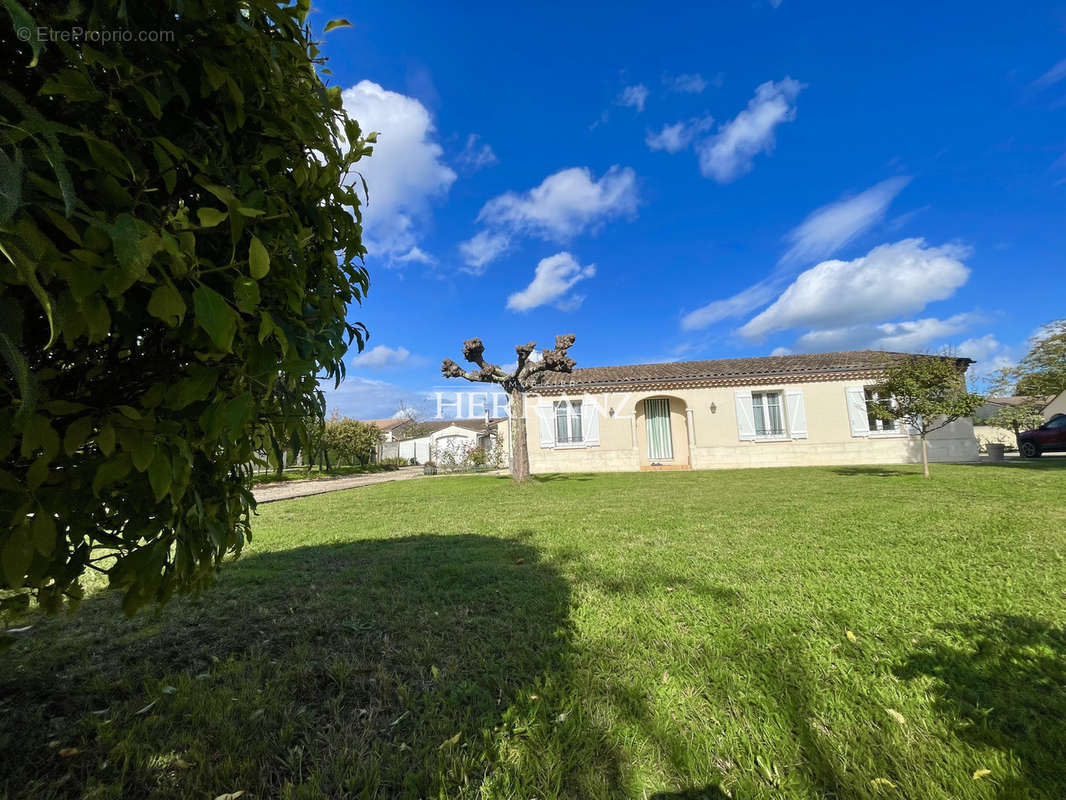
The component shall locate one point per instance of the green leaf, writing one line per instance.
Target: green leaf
(150, 101)
(337, 23)
(246, 293)
(135, 243)
(24, 22)
(77, 434)
(38, 434)
(142, 453)
(266, 327)
(167, 304)
(258, 259)
(111, 471)
(210, 217)
(105, 439)
(44, 533)
(159, 474)
(16, 557)
(215, 316)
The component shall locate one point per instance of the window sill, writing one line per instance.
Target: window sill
(775, 438)
(887, 435)
(573, 446)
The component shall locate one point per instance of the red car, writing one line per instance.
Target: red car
(1049, 436)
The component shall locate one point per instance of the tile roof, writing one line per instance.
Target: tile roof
(726, 369)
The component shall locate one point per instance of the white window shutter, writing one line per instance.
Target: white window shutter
(797, 414)
(745, 416)
(590, 422)
(860, 422)
(546, 420)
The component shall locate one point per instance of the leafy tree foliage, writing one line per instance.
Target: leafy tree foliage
(351, 439)
(928, 393)
(1018, 418)
(179, 242)
(1042, 371)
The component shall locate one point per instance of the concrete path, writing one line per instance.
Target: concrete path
(269, 492)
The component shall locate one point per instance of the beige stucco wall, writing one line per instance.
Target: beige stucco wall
(715, 440)
(1056, 406)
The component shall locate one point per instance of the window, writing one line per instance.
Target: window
(568, 422)
(1058, 421)
(879, 425)
(766, 410)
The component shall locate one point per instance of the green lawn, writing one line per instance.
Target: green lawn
(789, 633)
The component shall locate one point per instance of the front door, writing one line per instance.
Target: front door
(657, 422)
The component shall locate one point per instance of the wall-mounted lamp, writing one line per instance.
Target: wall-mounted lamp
(714, 408)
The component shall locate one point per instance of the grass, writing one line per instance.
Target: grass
(315, 474)
(854, 632)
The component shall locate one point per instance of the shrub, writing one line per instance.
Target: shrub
(178, 255)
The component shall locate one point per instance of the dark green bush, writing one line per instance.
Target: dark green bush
(179, 243)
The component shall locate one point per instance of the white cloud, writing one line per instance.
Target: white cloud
(831, 227)
(476, 155)
(634, 96)
(739, 304)
(381, 357)
(484, 248)
(729, 153)
(980, 348)
(366, 398)
(416, 255)
(405, 173)
(686, 83)
(565, 203)
(890, 280)
(554, 277)
(1052, 76)
(905, 337)
(675, 138)
(781, 351)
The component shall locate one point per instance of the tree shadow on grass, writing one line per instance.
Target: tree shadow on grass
(1045, 463)
(1003, 679)
(372, 668)
(875, 472)
(552, 477)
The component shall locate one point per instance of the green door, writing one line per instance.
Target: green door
(657, 421)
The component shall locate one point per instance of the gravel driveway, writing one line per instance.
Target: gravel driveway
(268, 493)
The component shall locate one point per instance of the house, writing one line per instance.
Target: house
(993, 405)
(386, 426)
(1056, 405)
(435, 437)
(788, 410)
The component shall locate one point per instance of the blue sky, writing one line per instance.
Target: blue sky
(703, 183)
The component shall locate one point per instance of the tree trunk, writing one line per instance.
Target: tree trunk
(925, 458)
(279, 456)
(516, 408)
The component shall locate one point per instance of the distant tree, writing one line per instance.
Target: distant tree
(928, 393)
(352, 439)
(515, 383)
(1042, 370)
(1018, 418)
(413, 426)
(179, 226)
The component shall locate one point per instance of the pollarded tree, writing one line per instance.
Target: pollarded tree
(928, 393)
(178, 228)
(515, 383)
